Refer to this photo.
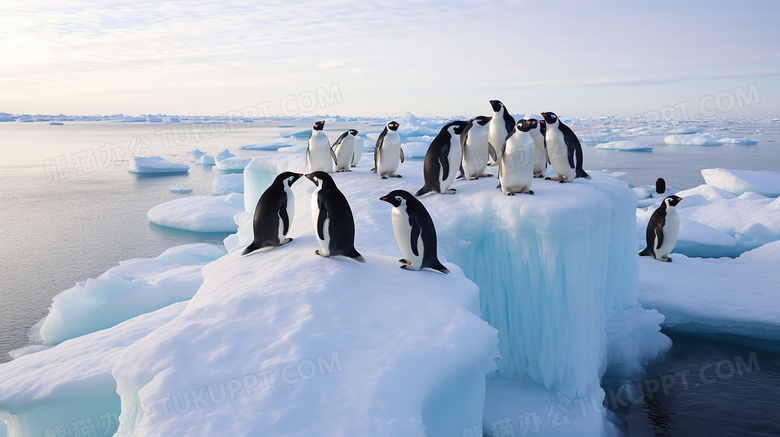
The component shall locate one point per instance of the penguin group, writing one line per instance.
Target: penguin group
(521, 149)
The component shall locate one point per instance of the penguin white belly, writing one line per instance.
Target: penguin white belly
(671, 229)
(290, 209)
(403, 234)
(517, 163)
(358, 150)
(475, 153)
(559, 155)
(344, 153)
(319, 156)
(540, 152)
(454, 159)
(497, 136)
(390, 156)
(315, 213)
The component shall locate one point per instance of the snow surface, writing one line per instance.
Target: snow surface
(627, 145)
(738, 182)
(736, 296)
(199, 213)
(135, 287)
(232, 164)
(693, 140)
(72, 381)
(267, 146)
(228, 183)
(155, 165)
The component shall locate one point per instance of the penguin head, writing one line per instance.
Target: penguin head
(393, 125)
(526, 125)
(482, 120)
(320, 177)
(672, 200)
(397, 197)
(319, 125)
(550, 117)
(497, 105)
(288, 178)
(456, 127)
(353, 132)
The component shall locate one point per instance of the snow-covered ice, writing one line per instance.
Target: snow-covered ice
(178, 189)
(738, 182)
(199, 213)
(134, 287)
(693, 140)
(627, 145)
(72, 381)
(266, 146)
(206, 160)
(155, 165)
(228, 183)
(736, 296)
(740, 141)
(232, 164)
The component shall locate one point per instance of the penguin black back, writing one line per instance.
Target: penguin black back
(437, 158)
(271, 214)
(334, 210)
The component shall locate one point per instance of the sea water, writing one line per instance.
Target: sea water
(71, 210)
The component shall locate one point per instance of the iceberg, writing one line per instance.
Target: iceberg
(155, 165)
(693, 140)
(196, 154)
(134, 287)
(199, 213)
(70, 385)
(232, 164)
(269, 146)
(628, 145)
(178, 189)
(740, 141)
(738, 182)
(228, 183)
(716, 295)
(206, 160)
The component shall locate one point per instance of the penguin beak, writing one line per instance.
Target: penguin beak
(383, 198)
(311, 178)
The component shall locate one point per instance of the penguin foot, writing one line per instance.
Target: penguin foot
(665, 259)
(319, 252)
(509, 193)
(551, 178)
(405, 261)
(562, 181)
(408, 267)
(353, 166)
(450, 191)
(396, 175)
(486, 175)
(529, 192)
(382, 177)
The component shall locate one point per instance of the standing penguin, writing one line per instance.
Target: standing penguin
(541, 159)
(319, 155)
(474, 145)
(358, 152)
(344, 150)
(564, 150)
(501, 124)
(334, 225)
(516, 165)
(442, 160)
(274, 213)
(414, 232)
(388, 154)
(662, 230)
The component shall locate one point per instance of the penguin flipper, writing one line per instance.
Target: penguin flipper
(659, 233)
(414, 236)
(445, 165)
(402, 154)
(283, 216)
(333, 155)
(492, 152)
(321, 221)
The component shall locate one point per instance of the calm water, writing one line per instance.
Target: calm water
(63, 227)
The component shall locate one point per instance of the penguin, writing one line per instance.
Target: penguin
(516, 164)
(358, 152)
(662, 230)
(414, 232)
(474, 145)
(441, 160)
(541, 158)
(564, 150)
(334, 225)
(501, 125)
(319, 155)
(660, 186)
(344, 150)
(388, 153)
(274, 213)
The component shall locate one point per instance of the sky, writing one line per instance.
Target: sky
(585, 58)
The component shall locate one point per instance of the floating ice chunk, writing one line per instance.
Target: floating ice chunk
(232, 164)
(716, 295)
(682, 130)
(155, 165)
(180, 189)
(741, 141)
(766, 183)
(196, 154)
(206, 160)
(72, 381)
(225, 154)
(702, 194)
(404, 356)
(630, 145)
(134, 287)
(269, 146)
(228, 183)
(199, 213)
(693, 140)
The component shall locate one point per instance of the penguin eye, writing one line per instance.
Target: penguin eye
(399, 198)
